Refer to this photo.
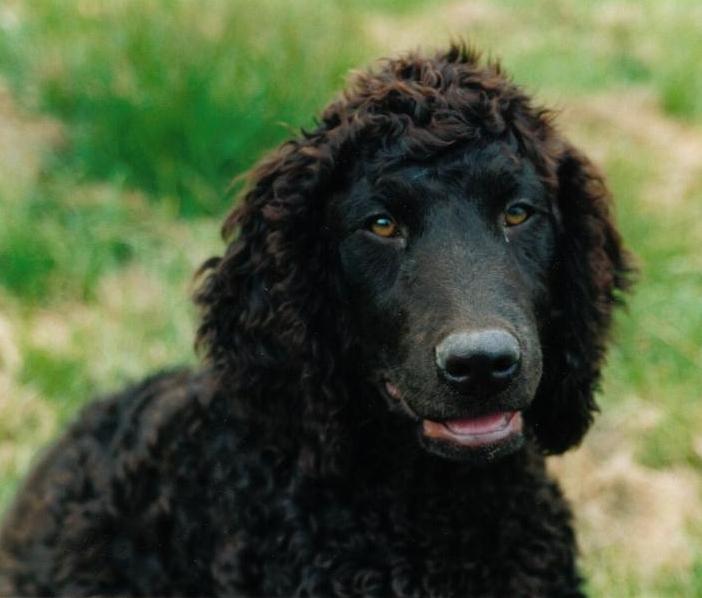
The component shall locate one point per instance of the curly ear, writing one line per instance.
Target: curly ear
(592, 269)
(260, 300)
(271, 328)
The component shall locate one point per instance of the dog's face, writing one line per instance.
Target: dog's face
(447, 265)
(474, 290)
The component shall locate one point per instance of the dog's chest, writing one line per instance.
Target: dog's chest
(326, 540)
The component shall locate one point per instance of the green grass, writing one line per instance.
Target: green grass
(659, 353)
(174, 99)
(573, 47)
(161, 102)
(43, 243)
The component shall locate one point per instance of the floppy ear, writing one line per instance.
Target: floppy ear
(265, 305)
(272, 328)
(592, 269)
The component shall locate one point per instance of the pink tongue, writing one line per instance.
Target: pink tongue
(478, 425)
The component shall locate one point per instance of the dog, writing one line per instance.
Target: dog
(411, 313)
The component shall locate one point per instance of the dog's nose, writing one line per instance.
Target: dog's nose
(484, 360)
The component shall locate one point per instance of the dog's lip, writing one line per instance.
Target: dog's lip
(392, 390)
(476, 431)
(394, 393)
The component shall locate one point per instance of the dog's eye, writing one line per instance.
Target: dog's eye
(383, 226)
(517, 214)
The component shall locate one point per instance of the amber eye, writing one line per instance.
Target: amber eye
(517, 214)
(383, 226)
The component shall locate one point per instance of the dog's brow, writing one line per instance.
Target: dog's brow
(396, 185)
(494, 180)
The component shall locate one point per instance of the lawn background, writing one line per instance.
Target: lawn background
(123, 121)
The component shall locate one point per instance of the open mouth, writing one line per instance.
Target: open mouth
(496, 431)
(477, 431)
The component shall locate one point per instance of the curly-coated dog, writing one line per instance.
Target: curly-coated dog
(412, 311)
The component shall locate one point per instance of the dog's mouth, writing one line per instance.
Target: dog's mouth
(493, 433)
(482, 431)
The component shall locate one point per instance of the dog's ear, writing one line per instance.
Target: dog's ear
(592, 270)
(271, 327)
(263, 302)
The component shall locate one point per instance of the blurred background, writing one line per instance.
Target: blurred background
(123, 121)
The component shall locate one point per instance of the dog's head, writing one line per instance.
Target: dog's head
(434, 246)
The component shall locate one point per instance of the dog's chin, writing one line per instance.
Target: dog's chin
(476, 441)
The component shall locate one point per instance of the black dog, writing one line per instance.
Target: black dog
(411, 312)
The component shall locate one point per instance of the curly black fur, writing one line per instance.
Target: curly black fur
(280, 470)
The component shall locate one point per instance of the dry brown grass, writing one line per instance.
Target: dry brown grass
(24, 140)
(633, 115)
(27, 422)
(433, 27)
(638, 515)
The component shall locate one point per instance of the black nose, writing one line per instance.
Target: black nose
(485, 360)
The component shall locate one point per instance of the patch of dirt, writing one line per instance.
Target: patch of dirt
(132, 290)
(640, 513)
(10, 360)
(24, 141)
(50, 332)
(26, 421)
(399, 34)
(636, 116)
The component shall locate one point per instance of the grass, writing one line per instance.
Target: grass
(121, 123)
(173, 99)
